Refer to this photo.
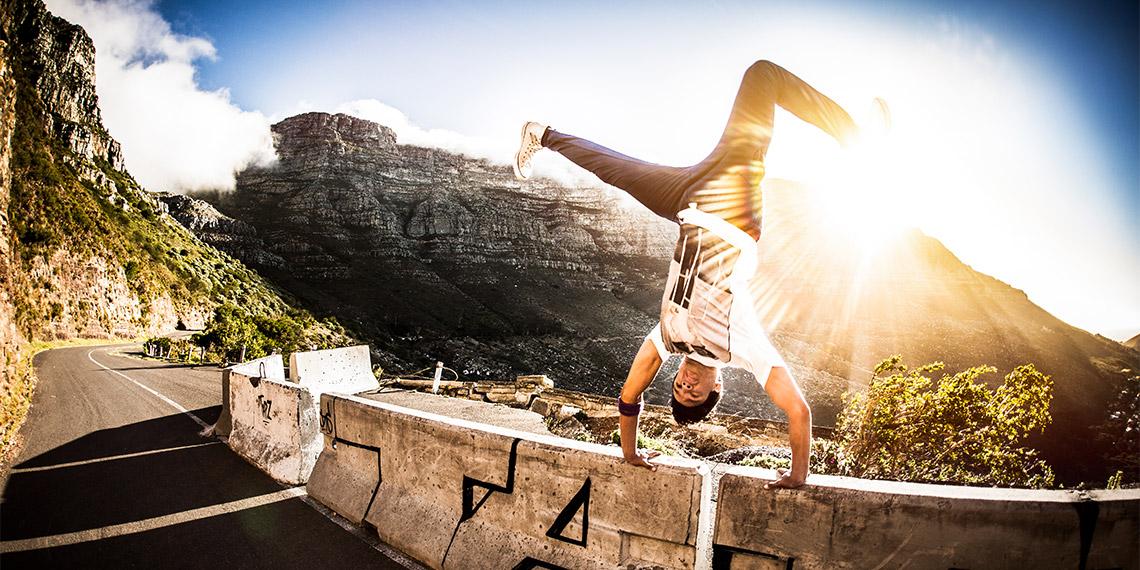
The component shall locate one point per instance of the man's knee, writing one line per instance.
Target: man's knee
(763, 67)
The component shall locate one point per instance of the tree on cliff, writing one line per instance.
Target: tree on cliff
(908, 427)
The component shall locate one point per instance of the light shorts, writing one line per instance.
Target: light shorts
(706, 309)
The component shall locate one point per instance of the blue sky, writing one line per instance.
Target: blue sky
(1016, 138)
(1090, 47)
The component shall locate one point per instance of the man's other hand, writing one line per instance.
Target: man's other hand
(786, 480)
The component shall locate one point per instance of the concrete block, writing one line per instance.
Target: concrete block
(500, 398)
(346, 370)
(275, 426)
(271, 366)
(839, 522)
(567, 411)
(659, 552)
(1116, 536)
(346, 479)
(746, 561)
(522, 398)
(276, 423)
(458, 494)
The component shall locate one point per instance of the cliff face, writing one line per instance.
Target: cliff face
(60, 60)
(84, 250)
(10, 338)
(437, 256)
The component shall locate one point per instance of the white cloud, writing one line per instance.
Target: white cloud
(548, 164)
(175, 135)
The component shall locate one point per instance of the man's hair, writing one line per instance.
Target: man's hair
(683, 414)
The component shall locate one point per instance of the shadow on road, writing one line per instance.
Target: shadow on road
(107, 489)
(175, 430)
(88, 484)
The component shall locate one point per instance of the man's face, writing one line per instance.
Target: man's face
(693, 383)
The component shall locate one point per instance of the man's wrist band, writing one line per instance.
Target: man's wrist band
(630, 409)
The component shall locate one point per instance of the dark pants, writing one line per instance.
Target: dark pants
(727, 181)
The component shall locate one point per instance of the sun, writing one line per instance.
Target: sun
(863, 196)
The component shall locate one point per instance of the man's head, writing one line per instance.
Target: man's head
(696, 391)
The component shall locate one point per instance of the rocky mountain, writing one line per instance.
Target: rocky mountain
(84, 250)
(432, 255)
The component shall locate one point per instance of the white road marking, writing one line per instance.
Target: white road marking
(174, 404)
(148, 524)
(111, 458)
(96, 534)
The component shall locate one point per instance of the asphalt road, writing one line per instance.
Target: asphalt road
(113, 474)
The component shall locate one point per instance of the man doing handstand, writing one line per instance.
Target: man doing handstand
(706, 310)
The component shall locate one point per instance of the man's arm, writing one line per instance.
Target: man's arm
(786, 394)
(641, 373)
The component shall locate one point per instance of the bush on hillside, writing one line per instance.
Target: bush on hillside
(1121, 429)
(232, 328)
(908, 427)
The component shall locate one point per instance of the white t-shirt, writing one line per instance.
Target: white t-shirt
(706, 309)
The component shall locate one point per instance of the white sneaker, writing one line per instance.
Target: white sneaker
(531, 142)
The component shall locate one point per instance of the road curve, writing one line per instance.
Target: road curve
(113, 474)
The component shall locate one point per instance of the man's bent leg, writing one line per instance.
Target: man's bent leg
(766, 85)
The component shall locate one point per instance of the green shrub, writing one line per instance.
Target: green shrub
(665, 446)
(768, 462)
(908, 427)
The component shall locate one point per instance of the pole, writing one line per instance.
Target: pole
(438, 373)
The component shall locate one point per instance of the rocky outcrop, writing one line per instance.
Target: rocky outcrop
(433, 253)
(84, 250)
(10, 337)
(62, 59)
(61, 287)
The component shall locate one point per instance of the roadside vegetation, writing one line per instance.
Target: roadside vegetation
(907, 426)
(234, 334)
(1121, 430)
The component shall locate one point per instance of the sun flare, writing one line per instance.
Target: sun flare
(863, 196)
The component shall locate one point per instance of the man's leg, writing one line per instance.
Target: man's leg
(766, 85)
(659, 188)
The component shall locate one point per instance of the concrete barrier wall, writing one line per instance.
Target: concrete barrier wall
(839, 522)
(275, 423)
(275, 426)
(338, 366)
(270, 367)
(457, 494)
